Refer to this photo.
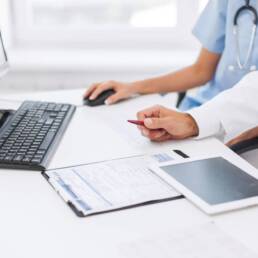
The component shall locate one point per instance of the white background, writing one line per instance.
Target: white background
(71, 43)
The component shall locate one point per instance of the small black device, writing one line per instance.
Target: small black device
(100, 100)
(28, 137)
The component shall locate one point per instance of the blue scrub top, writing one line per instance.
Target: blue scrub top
(214, 29)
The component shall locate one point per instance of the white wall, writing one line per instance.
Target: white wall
(51, 79)
(39, 68)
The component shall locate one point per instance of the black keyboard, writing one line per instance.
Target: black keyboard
(28, 139)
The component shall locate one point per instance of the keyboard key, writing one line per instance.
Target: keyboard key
(40, 152)
(36, 161)
(47, 141)
(18, 158)
(49, 121)
(65, 108)
(26, 160)
(8, 158)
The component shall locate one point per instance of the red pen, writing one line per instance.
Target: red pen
(136, 122)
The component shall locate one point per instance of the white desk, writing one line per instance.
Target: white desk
(35, 222)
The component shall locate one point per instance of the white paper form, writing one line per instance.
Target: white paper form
(205, 241)
(113, 184)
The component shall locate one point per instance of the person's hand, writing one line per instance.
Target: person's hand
(123, 91)
(250, 134)
(163, 124)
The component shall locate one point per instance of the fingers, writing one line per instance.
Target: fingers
(163, 138)
(242, 137)
(114, 98)
(232, 142)
(100, 88)
(250, 134)
(149, 112)
(91, 89)
(153, 134)
(154, 123)
(236, 140)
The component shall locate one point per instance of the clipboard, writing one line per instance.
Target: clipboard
(80, 206)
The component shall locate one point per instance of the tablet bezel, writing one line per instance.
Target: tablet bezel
(195, 199)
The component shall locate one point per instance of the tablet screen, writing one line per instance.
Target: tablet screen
(214, 180)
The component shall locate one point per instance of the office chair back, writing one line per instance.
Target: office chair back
(181, 96)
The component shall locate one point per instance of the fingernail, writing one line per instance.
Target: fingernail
(145, 132)
(107, 102)
(91, 97)
(148, 121)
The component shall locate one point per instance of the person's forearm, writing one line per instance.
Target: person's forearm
(182, 80)
(231, 112)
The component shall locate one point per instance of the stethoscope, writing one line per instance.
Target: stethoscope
(243, 65)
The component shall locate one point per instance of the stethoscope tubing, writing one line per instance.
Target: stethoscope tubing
(246, 8)
(251, 9)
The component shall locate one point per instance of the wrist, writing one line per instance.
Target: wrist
(193, 129)
(137, 87)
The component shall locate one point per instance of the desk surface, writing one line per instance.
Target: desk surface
(35, 222)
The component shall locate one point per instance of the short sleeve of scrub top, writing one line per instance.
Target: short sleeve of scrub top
(210, 28)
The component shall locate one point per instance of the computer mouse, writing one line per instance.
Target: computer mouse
(100, 100)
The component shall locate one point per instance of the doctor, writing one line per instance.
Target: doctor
(226, 116)
(227, 30)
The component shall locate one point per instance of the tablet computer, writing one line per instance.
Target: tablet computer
(213, 184)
